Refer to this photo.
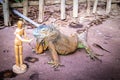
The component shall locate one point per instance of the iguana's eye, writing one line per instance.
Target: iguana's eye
(43, 29)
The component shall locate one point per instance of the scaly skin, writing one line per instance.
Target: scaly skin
(59, 43)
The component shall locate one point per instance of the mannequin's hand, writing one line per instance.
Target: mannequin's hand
(28, 40)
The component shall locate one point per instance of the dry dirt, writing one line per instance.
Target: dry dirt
(77, 66)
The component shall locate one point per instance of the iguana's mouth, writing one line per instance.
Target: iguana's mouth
(39, 40)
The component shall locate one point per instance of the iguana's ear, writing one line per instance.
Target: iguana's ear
(52, 27)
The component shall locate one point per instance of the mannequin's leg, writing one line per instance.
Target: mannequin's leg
(21, 54)
(17, 55)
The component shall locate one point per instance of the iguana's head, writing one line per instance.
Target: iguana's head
(42, 31)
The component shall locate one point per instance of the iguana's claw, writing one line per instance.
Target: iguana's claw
(94, 57)
(55, 65)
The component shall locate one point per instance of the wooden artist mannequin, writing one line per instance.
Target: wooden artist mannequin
(19, 67)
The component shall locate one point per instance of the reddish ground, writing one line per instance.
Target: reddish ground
(77, 66)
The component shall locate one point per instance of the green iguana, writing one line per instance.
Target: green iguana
(48, 37)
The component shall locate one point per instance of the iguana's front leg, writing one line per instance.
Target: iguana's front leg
(55, 61)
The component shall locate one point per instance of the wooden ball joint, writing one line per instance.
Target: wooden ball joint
(19, 66)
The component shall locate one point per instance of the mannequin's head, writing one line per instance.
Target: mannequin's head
(20, 23)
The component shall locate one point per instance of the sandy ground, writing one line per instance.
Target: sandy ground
(77, 66)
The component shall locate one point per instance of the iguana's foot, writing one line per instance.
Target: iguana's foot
(95, 56)
(54, 64)
(92, 55)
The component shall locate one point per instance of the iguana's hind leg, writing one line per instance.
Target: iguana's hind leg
(92, 55)
(88, 50)
(82, 37)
